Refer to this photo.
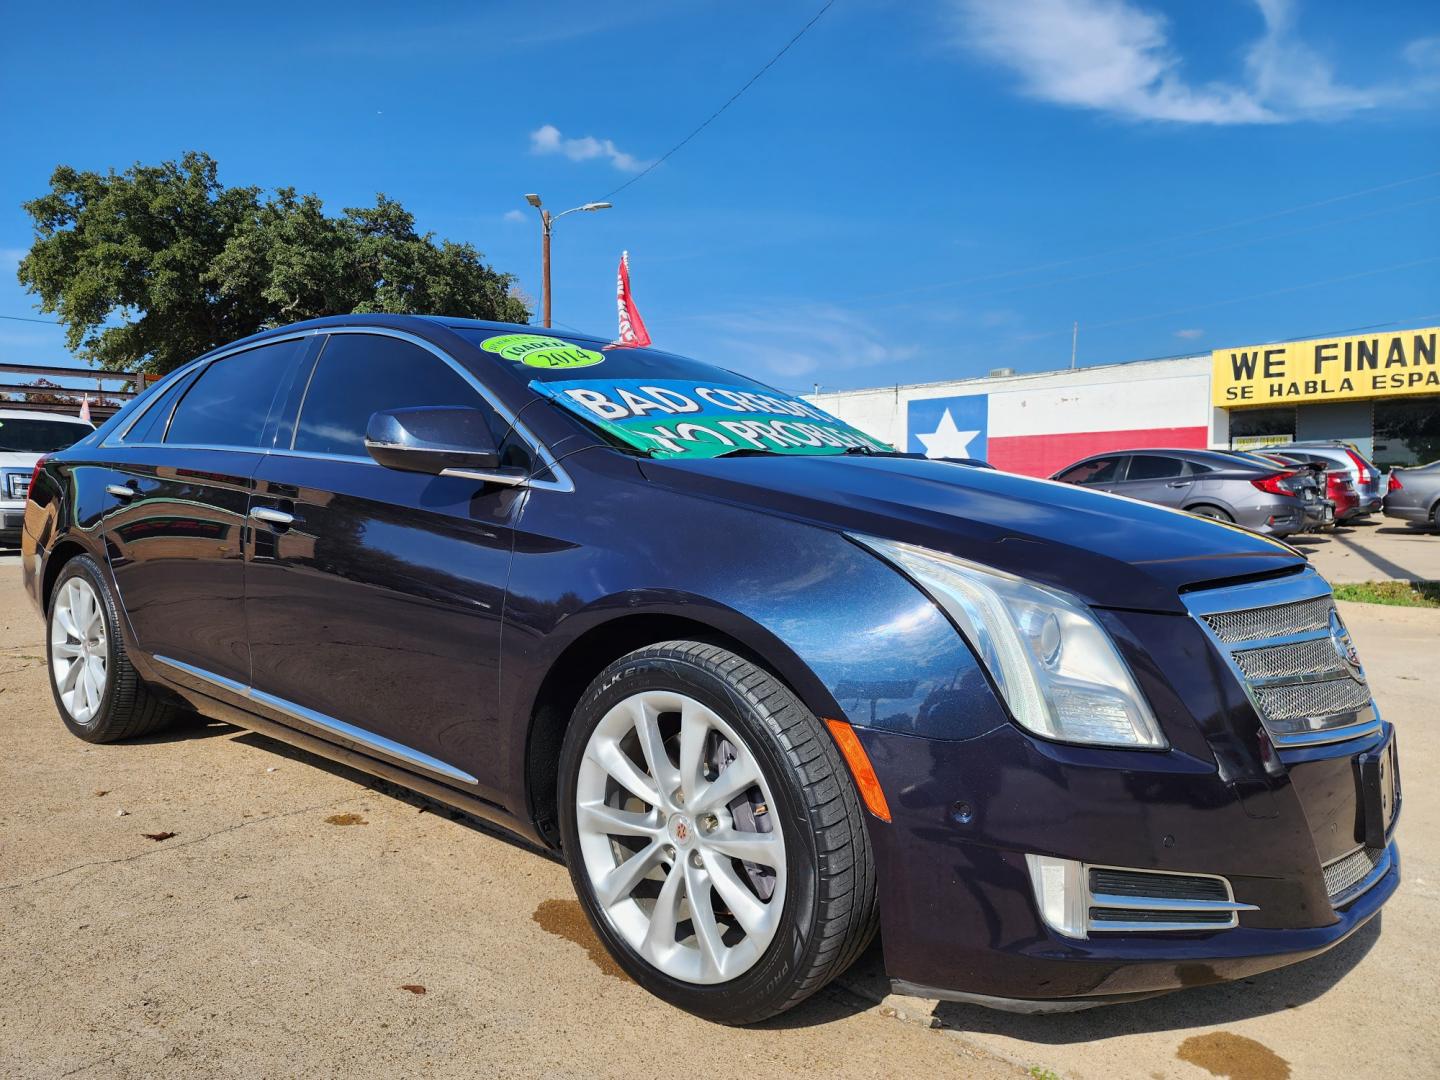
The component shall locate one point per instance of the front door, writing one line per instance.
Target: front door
(178, 489)
(375, 597)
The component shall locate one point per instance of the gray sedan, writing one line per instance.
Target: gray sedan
(1207, 483)
(1414, 495)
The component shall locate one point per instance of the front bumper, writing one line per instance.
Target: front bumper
(12, 524)
(959, 915)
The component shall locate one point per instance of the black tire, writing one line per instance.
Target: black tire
(128, 708)
(831, 910)
(1214, 513)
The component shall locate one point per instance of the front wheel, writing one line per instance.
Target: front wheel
(713, 834)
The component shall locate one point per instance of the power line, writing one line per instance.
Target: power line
(730, 101)
(24, 318)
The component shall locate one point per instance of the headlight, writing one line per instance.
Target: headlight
(1054, 664)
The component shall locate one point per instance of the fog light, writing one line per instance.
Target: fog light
(1060, 893)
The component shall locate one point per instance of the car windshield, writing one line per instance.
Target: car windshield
(29, 436)
(668, 406)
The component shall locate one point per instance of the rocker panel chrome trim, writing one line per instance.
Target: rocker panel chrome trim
(369, 740)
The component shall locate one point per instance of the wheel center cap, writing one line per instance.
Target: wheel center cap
(681, 829)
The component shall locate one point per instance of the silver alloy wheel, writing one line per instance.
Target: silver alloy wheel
(696, 892)
(79, 651)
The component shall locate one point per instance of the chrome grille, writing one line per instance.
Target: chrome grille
(1314, 657)
(1281, 620)
(1286, 644)
(1348, 871)
(1300, 701)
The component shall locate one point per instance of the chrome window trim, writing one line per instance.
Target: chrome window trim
(561, 482)
(377, 744)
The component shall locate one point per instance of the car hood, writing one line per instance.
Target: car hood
(14, 459)
(1108, 550)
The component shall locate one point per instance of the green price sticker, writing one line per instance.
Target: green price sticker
(535, 350)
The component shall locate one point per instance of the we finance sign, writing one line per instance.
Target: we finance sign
(1327, 369)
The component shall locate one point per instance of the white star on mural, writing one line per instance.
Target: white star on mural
(946, 440)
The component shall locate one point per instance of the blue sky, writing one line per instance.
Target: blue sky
(916, 191)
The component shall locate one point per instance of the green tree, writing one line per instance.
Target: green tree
(151, 267)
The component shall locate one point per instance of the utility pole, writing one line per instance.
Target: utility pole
(1074, 331)
(547, 222)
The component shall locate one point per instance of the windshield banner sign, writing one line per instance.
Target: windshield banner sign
(672, 418)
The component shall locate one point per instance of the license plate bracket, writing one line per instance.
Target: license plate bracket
(1379, 791)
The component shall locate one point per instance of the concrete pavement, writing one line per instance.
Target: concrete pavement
(305, 920)
(1386, 550)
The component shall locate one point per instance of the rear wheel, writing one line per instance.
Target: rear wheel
(1214, 513)
(96, 688)
(713, 834)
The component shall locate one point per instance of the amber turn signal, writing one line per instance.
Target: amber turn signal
(860, 768)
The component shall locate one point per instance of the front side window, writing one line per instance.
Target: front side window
(1154, 467)
(229, 403)
(1095, 471)
(25, 435)
(359, 375)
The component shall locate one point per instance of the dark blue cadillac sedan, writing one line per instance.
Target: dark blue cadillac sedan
(765, 683)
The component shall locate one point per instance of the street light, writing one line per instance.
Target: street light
(547, 220)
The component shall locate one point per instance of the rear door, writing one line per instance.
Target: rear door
(179, 487)
(1156, 478)
(374, 597)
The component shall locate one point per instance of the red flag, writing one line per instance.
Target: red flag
(85, 408)
(633, 334)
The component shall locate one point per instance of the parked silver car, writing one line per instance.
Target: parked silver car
(25, 434)
(1414, 495)
(1341, 456)
(1207, 483)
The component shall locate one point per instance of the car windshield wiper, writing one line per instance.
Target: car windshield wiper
(750, 451)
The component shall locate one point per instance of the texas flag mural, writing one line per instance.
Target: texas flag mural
(948, 427)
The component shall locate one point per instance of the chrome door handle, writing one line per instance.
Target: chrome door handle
(270, 516)
(120, 491)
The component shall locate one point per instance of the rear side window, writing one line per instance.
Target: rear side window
(1154, 467)
(150, 428)
(1096, 471)
(229, 403)
(359, 375)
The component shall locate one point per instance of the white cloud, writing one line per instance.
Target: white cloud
(1116, 56)
(1189, 335)
(807, 341)
(514, 215)
(547, 139)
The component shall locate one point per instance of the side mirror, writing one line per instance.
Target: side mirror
(440, 440)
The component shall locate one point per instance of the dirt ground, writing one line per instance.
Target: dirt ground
(303, 920)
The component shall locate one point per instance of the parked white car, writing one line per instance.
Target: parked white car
(24, 436)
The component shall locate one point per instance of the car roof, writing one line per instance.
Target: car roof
(35, 414)
(421, 325)
(1218, 457)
